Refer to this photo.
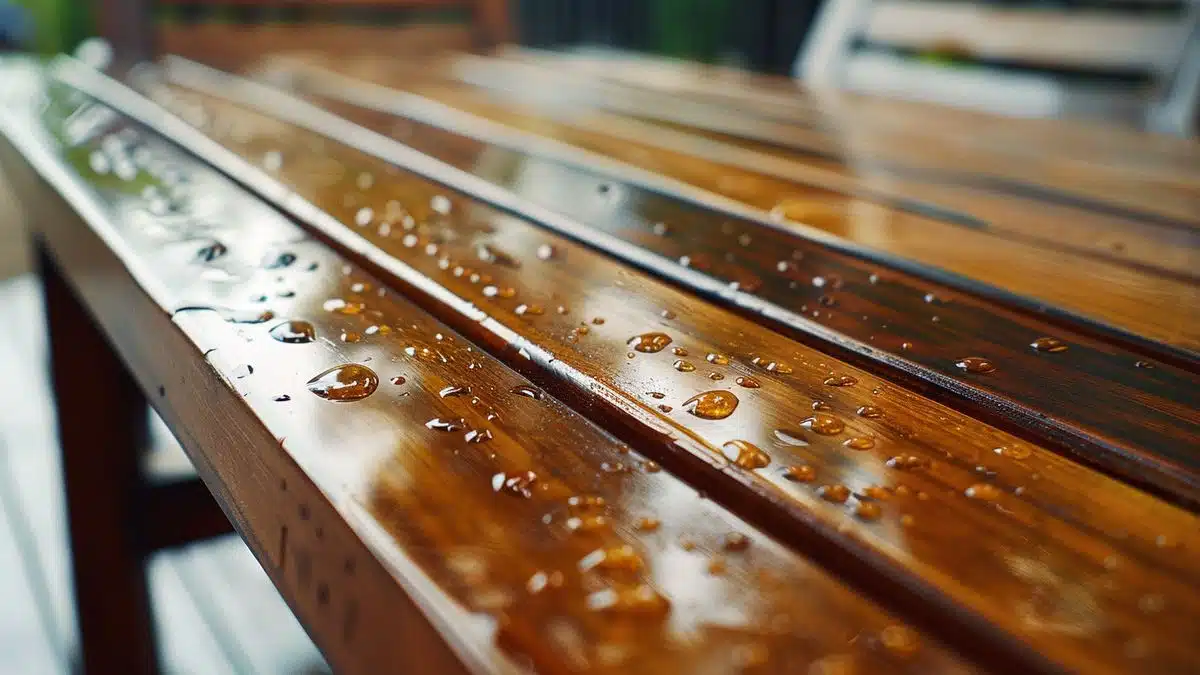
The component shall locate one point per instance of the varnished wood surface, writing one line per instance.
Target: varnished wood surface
(1140, 422)
(1010, 545)
(587, 555)
(940, 156)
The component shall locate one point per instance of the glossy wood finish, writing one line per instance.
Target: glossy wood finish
(1142, 195)
(998, 241)
(585, 555)
(1140, 424)
(1009, 545)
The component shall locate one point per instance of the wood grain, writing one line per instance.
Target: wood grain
(1140, 425)
(1093, 186)
(356, 507)
(1022, 550)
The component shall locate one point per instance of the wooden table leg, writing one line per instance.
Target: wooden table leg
(102, 430)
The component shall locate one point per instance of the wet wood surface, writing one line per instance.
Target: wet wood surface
(1012, 549)
(1140, 425)
(1048, 254)
(1144, 193)
(586, 554)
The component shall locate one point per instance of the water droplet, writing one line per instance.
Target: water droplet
(211, 251)
(282, 398)
(860, 443)
(622, 558)
(683, 366)
(364, 216)
(660, 229)
(771, 366)
(639, 600)
(906, 346)
(588, 524)
(519, 484)
(712, 405)
(1049, 344)
(530, 310)
(735, 541)
(908, 462)
(717, 359)
(546, 252)
(347, 382)
(679, 351)
(900, 641)
(439, 424)
(359, 287)
(717, 566)
(837, 494)
(650, 343)
(746, 455)
(840, 381)
(648, 524)
(1143, 364)
(868, 511)
(350, 336)
(294, 332)
(665, 408)
(800, 473)
(826, 425)
(819, 405)
(748, 382)
(340, 306)
(447, 392)
(598, 321)
(528, 392)
(280, 261)
(478, 436)
(1014, 451)
(976, 364)
(492, 254)
(667, 314)
(983, 492)
(869, 411)
(792, 438)
(243, 370)
(716, 377)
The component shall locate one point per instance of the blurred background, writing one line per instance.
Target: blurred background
(1130, 63)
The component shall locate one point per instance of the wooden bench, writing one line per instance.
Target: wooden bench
(489, 384)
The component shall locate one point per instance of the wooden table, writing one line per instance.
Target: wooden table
(652, 375)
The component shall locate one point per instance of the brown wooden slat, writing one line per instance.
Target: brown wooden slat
(179, 512)
(1035, 556)
(389, 535)
(936, 158)
(1140, 423)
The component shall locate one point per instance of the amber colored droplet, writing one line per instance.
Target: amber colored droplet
(679, 351)
(348, 382)
(906, 346)
(1049, 344)
(478, 436)
(976, 364)
(712, 405)
(717, 359)
(598, 321)
(837, 494)
(907, 462)
(800, 473)
(717, 566)
(826, 425)
(748, 382)
(447, 392)
(294, 332)
(870, 411)
(519, 484)
(821, 406)
(588, 524)
(860, 443)
(907, 520)
(900, 641)
(351, 336)
(640, 600)
(360, 287)
(530, 310)
(340, 306)
(620, 558)
(648, 524)
(746, 455)
(716, 377)
(650, 343)
(667, 314)
(790, 438)
(1014, 451)
(735, 541)
(683, 366)
(983, 492)
(528, 392)
(492, 254)
(868, 511)
(665, 408)
(840, 381)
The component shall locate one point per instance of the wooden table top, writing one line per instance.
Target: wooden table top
(523, 363)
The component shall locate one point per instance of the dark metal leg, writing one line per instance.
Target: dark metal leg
(102, 430)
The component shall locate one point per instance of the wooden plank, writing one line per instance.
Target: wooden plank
(1030, 388)
(1018, 545)
(1002, 248)
(888, 155)
(352, 506)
